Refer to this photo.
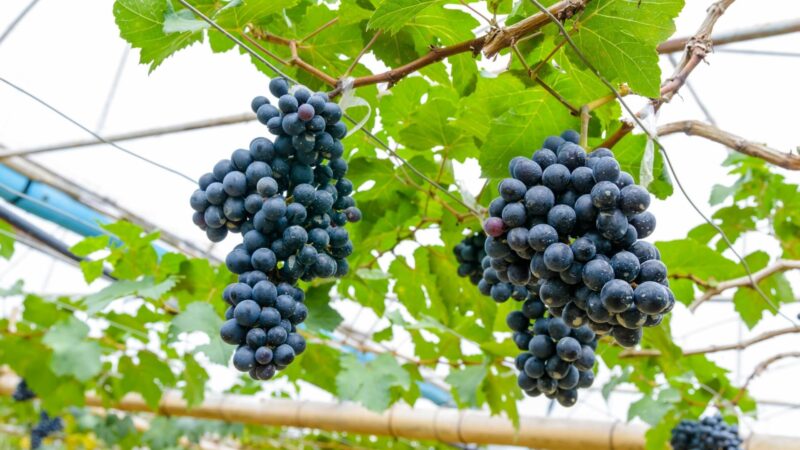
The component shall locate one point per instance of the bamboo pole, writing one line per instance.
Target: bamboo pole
(441, 424)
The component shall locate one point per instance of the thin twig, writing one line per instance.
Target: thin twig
(744, 34)
(585, 117)
(716, 348)
(760, 369)
(780, 265)
(572, 109)
(319, 30)
(696, 128)
(264, 50)
(361, 54)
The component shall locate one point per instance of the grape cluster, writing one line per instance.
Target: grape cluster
(47, 425)
(568, 224)
(557, 360)
(290, 200)
(710, 433)
(470, 254)
(22, 392)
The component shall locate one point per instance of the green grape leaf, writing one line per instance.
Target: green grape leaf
(321, 317)
(649, 410)
(200, 316)
(465, 384)
(751, 305)
(620, 37)
(6, 241)
(392, 15)
(72, 353)
(522, 129)
(142, 23)
(146, 287)
(194, 379)
(149, 377)
(370, 383)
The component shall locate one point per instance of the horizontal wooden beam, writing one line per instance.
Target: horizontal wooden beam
(440, 424)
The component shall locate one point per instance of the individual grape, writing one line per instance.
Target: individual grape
(650, 297)
(557, 328)
(541, 236)
(571, 136)
(558, 257)
(652, 270)
(627, 337)
(571, 156)
(527, 171)
(545, 157)
(583, 250)
(556, 177)
(596, 273)
(494, 226)
(633, 199)
(644, 223)
(606, 169)
(625, 265)
(232, 333)
(538, 200)
(605, 195)
(514, 215)
(645, 251)
(562, 218)
(512, 190)
(568, 349)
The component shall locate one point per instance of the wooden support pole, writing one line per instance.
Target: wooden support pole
(440, 424)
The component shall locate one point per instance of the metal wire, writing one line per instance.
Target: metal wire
(661, 147)
(17, 20)
(95, 135)
(101, 122)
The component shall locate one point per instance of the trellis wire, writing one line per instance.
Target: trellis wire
(654, 138)
(95, 135)
(17, 20)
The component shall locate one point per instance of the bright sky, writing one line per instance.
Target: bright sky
(69, 57)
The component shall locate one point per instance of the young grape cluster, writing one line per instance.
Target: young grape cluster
(22, 392)
(710, 433)
(290, 200)
(47, 425)
(557, 360)
(470, 254)
(568, 224)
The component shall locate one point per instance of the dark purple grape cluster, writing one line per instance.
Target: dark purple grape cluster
(469, 254)
(568, 225)
(710, 433)
(22, 392)
(557, 359)
(47, 425)
(290, 200)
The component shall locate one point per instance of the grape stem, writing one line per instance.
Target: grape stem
(761, 368)
(652, 353)
(696, 128)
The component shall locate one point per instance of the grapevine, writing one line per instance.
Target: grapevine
(290, 200)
